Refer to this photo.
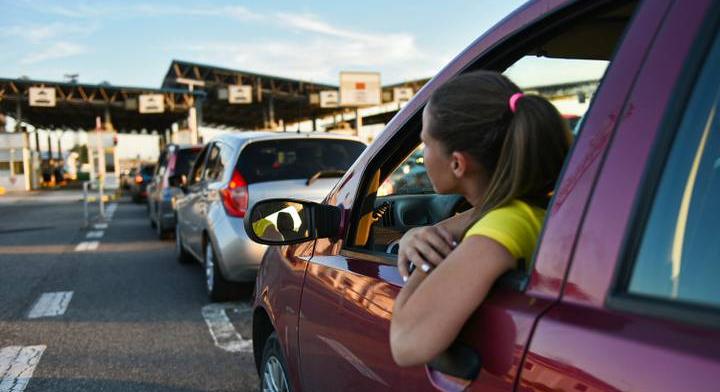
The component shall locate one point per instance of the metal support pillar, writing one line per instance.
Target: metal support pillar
(358, 121)
(271, 111)
(26, 152)
(27, 161)
(49, 143)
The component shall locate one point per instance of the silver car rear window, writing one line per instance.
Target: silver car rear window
(277, 160)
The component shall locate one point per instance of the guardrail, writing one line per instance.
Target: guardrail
(87, 187)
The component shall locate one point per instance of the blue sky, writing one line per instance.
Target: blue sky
(132, 43)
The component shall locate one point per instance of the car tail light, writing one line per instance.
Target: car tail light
(235, 196)
(138, 179)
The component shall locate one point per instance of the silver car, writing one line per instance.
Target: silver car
(232, 172)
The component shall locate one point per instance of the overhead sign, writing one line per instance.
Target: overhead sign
(151, 103)
(42, 96)
(240, 94)
(329, 99)
(314, 99)
(360, 89)
(402, 94)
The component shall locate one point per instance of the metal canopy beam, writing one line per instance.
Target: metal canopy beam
(77, 105)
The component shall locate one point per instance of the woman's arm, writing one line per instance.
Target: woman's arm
(431, 309)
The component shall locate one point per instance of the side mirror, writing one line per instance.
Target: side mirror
(290, 221)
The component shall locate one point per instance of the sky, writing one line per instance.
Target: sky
(131, 43)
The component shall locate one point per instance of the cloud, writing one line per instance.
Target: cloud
(321, 50)
(86, 11)
(44, 32)
(56, 50)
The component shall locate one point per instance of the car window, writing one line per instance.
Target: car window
(184, 160)
(409, 178)
(147, 170)
(679, 251)
(214, 166)
(569, 84)
(276, 160)
(198, 167)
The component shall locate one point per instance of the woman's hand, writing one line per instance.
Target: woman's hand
(426, 247)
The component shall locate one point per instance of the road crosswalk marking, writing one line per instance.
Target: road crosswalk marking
(17, 364)
(51, 304)
(221, 329)
(95, 234)
(87, 245)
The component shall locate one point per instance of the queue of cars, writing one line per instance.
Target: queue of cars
(200, 193)
(621, 295)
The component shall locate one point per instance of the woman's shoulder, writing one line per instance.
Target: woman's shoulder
(515, 209)
(516, 225)
(509, 218)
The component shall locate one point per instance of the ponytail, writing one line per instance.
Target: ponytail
(531, 157)
(523, 148)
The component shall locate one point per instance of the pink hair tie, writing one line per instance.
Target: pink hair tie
(513, 101)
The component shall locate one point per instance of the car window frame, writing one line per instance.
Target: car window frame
(199, 165)
(210, 165)
(499, 58)
(619, 298)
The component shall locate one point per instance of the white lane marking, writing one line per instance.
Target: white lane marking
(17, 364)
(87, 245)
(51, 304)
(100, 226)
(95, 234)
(222, 330)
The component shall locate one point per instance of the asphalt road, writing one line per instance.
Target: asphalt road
(128, 317)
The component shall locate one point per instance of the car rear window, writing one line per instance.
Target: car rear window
(276, 160)
(184, 160)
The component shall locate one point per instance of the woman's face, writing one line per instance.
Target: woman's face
(437, 161)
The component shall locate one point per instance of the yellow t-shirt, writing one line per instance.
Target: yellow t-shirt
(516, 226)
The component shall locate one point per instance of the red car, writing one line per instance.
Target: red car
(623, 293)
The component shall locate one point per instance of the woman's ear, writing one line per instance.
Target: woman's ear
(459, 163)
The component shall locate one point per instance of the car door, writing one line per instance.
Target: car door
(216, 175)
(351, 284)
(641, 306)
(191, 215)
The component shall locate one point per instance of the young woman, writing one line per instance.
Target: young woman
(502, 150)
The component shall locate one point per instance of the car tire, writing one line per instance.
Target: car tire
(273, 368)
(218, 288)
(183, 256)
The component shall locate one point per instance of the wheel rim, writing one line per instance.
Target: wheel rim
(209, 267)
(274, 376)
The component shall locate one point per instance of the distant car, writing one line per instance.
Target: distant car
(138, 185)
(174, 164)
(126, 177)
(232, 172)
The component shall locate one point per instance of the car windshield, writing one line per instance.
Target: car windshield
(185, 159)
(276, 160)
